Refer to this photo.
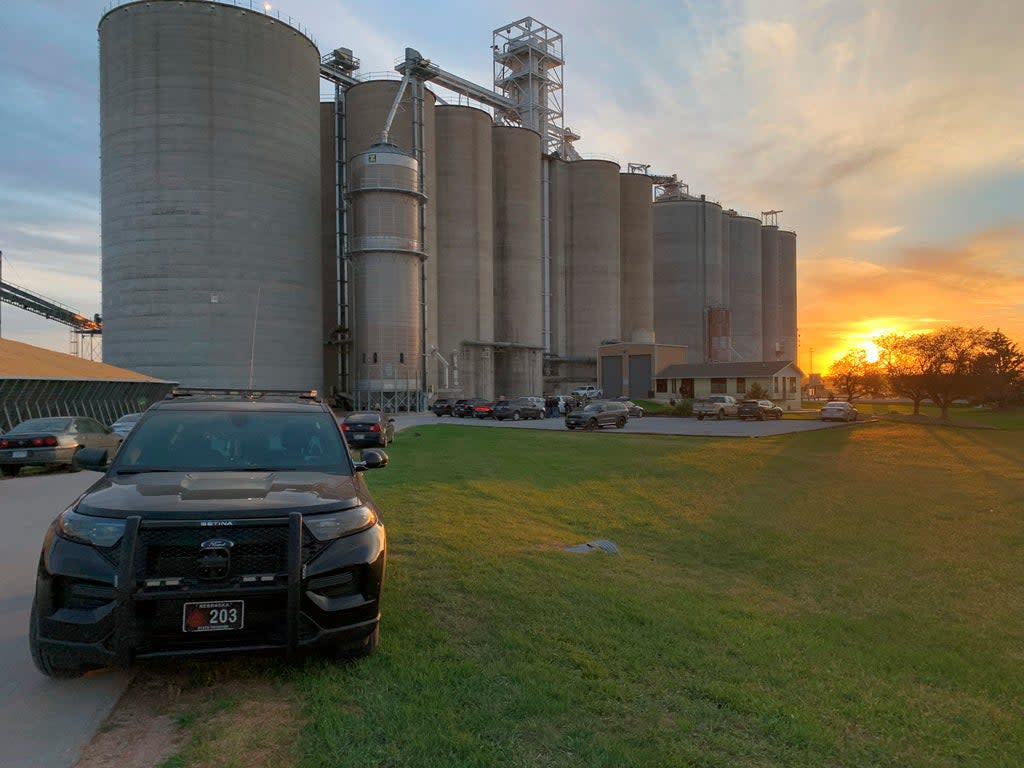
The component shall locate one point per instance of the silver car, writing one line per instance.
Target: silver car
(52, 441)
(838, 411)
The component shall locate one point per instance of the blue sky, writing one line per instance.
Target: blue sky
(890, 133)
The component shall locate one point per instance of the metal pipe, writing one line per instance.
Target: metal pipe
(385, 134)
(546, 249)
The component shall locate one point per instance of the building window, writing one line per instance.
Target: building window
(401, 357)
(375, 357)
(792, 385)
(776, 384)
(718, 386)
(364, 357)
(661, 385)
(741, 385)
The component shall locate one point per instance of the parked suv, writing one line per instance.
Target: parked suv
(603, 413)
(442, 407)
(758, 409)
(227, 521)
(520, 408)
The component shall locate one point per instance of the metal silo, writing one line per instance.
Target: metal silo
(366, 108)
(386, 253)
(465, 250)
(770, 329)
(688, 273)
(518, 306)
(745, 287)
(787, 294)
(210, 195)
(594, 274)
(636, 243)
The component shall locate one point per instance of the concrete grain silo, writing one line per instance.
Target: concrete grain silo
(366, 110)
(787, 294)
(558, 222)
(744, 296)
(210, 195)
(518, 306)
(594, 312)
(386, 254)
(688, 271)
(636, 246)
(770, 295)
(464, 206)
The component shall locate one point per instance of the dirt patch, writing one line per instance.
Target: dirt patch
(199, 715)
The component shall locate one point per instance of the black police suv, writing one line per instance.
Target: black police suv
(228, 521)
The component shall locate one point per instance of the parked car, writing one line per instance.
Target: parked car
(604, 413)
(485, 410)
(368, 428)
(51, 442)
(226, 522)
(758, 409)
(539, 402)
(125, 424)
(442, 407)
(464, 408)
(520, 408)
(715, 406)
(589, 391)
(635, 411)
(838, 411)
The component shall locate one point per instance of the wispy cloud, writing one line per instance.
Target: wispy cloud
(873, 233)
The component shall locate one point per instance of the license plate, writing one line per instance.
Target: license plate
(19, 455)
(213, 616)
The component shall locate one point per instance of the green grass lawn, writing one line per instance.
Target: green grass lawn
(851, 597)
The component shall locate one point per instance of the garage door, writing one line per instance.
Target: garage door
(639, 376)
(611, 376)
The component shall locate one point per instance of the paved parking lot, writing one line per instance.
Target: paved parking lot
(648, 425)
(43, 722)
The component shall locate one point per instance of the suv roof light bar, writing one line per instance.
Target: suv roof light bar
(252, 394)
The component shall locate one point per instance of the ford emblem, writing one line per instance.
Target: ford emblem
(217, 544)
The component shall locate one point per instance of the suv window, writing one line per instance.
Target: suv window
(205, 440)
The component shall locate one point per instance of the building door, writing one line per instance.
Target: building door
(686, 388)
(611, 376)
(640, 376)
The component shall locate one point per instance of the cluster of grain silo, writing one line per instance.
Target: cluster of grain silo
(393, 247)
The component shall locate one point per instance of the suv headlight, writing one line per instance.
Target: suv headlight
(98, 531)
(338, 524)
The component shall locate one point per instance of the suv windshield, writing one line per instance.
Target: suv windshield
(176, 441)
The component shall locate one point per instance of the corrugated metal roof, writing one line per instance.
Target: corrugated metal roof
(24, 361)
(725, 370)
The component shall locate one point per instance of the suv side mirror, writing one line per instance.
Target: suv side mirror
(372, 459)
(96, 459)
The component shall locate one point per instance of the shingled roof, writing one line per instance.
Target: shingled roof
(726, 370)
(24, 361)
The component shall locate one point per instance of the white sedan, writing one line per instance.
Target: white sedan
(838, 411)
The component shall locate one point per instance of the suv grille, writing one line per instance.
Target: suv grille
(176, 552)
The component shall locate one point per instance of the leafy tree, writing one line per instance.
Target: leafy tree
(855, 377)
(756, 392)
(951, 359)
(901, 359)
(1001, 366)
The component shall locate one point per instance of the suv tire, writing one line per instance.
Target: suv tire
(591, 425)
(10, 470)
(361, 648)
(44, 662)
(515, 416)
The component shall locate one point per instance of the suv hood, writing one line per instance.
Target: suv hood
(200, 495)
